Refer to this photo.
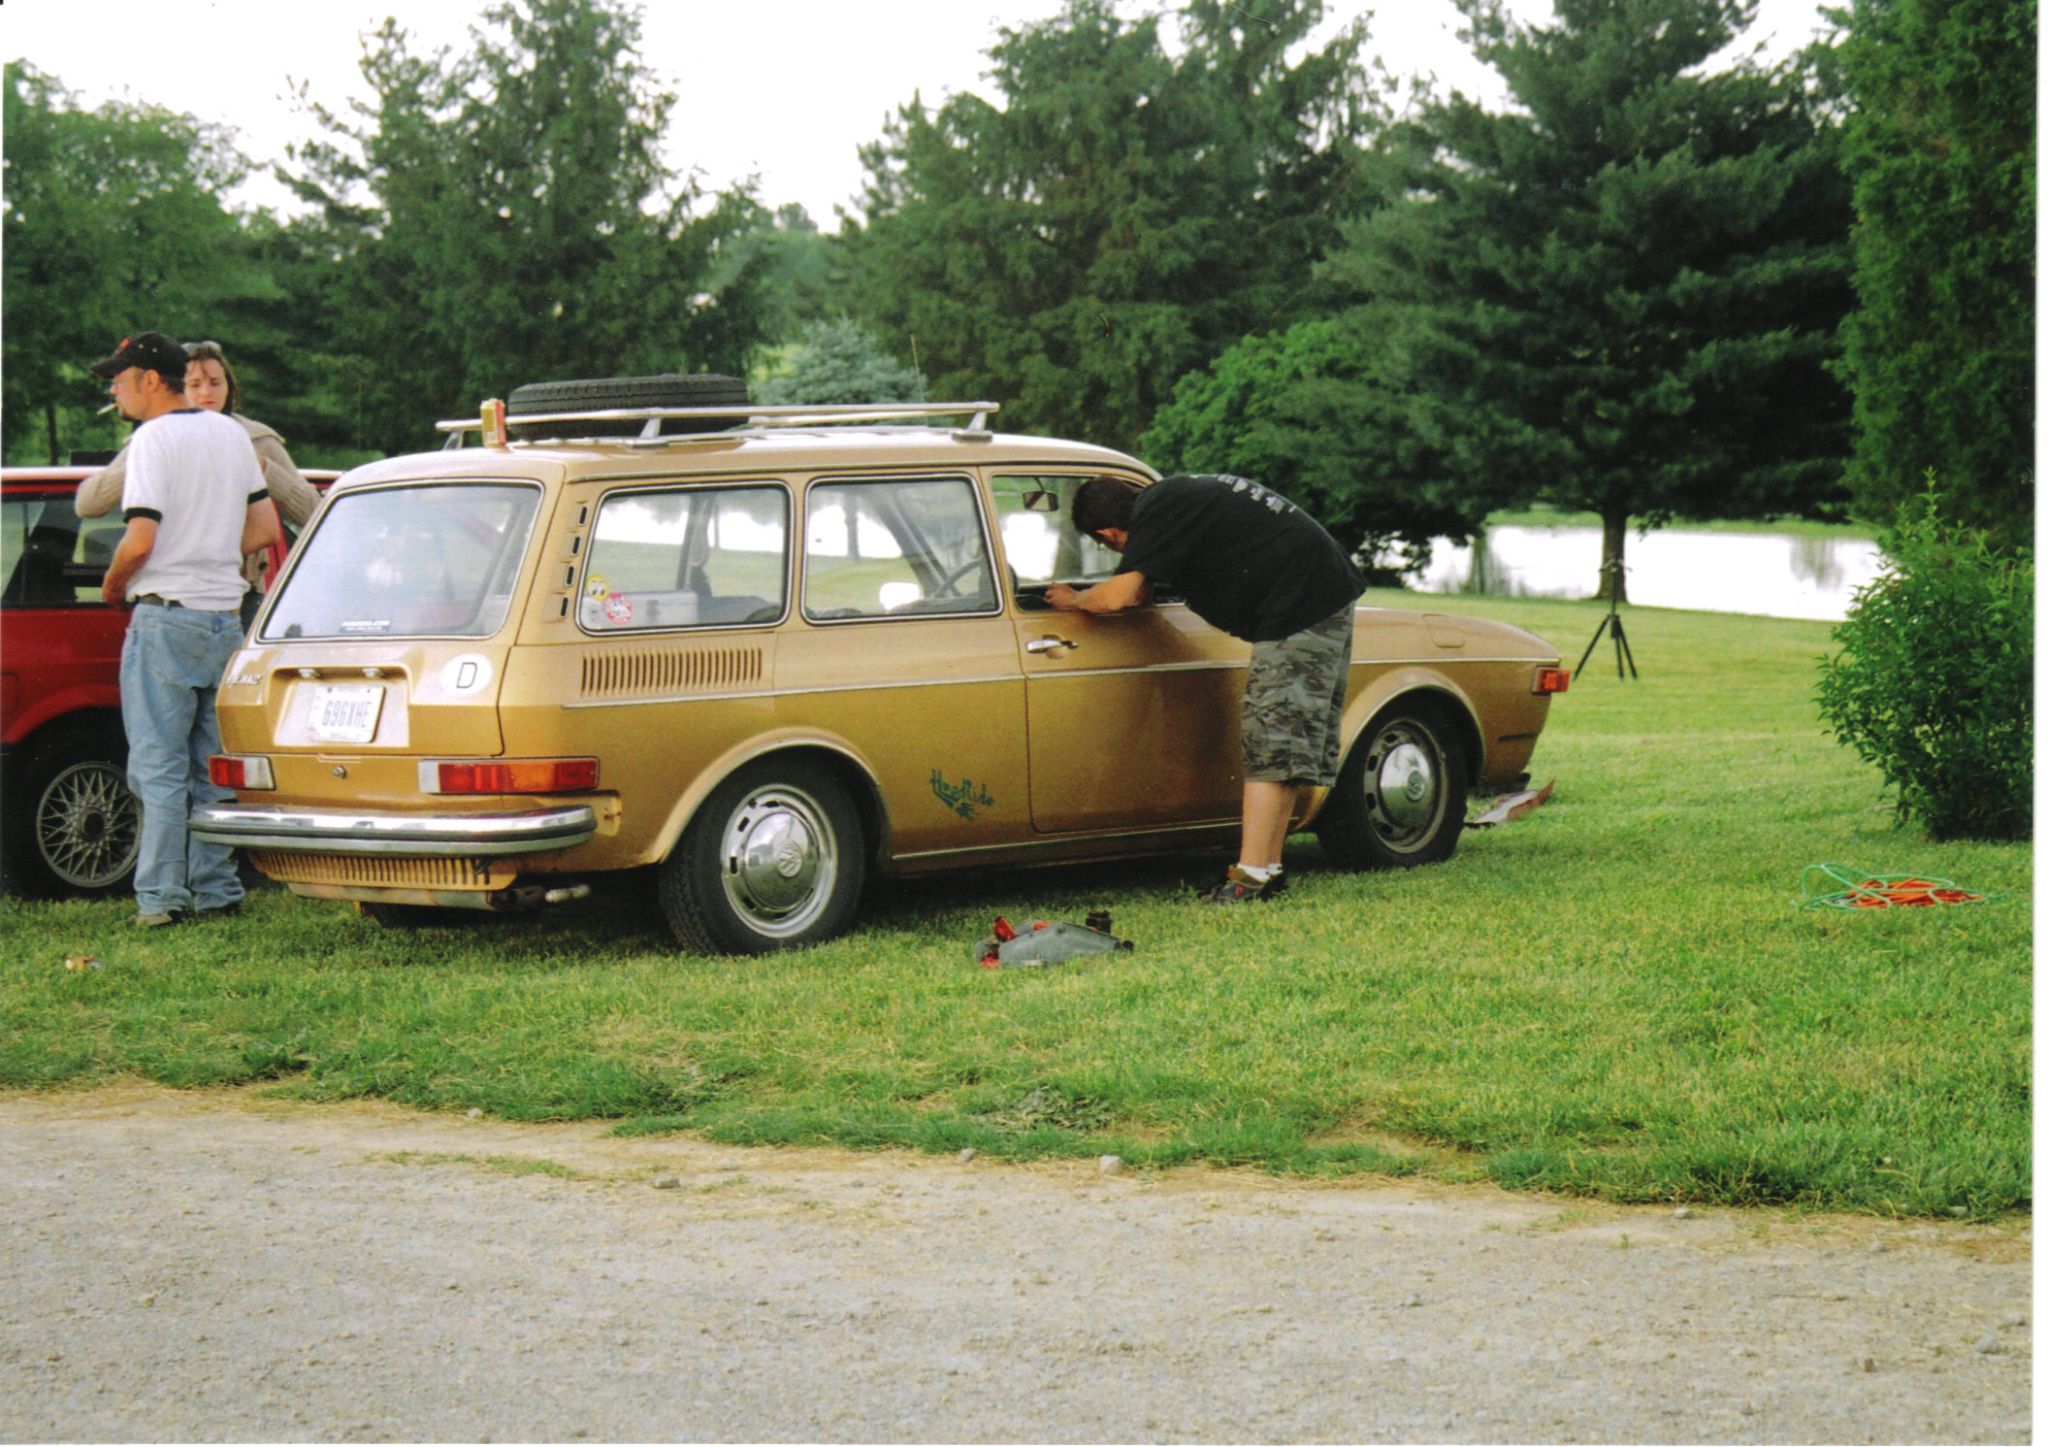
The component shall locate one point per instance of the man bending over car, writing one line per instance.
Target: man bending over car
(1253, 564)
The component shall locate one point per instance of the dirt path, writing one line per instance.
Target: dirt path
(206, 1266)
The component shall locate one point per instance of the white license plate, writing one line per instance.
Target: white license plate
(346, 713)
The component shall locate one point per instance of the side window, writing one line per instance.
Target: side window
(686, 558)
(49, 556)
(1039, 540)
(884, 549)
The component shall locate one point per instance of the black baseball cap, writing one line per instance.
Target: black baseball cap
(151, 351)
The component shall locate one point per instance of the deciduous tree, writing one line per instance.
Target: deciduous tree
(113, 223)
(1315, 412)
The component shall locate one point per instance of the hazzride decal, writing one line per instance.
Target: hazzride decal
(963, 798)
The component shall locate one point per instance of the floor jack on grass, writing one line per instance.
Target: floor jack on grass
(1046, 942)
(1053, 942)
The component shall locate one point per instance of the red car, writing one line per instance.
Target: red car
(67, 820)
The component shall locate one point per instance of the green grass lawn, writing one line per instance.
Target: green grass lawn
(1619, 995)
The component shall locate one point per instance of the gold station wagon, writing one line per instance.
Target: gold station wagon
(772, 659)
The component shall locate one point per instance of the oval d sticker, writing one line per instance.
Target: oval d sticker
(464, 674)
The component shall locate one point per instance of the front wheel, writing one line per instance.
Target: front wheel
(1400, 799)
(773, 860)
(76, 827)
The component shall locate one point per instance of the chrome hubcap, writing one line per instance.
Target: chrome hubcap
(1407, 784)
(779, 860)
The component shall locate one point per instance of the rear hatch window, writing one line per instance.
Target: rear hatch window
(434, 560)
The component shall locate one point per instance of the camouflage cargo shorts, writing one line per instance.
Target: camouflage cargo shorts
(1294, 704)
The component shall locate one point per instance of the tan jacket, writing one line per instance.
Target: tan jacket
(295, 498)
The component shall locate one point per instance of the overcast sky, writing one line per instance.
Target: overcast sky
(781, 89)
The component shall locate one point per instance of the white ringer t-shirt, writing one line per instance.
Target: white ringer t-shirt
(195, 473)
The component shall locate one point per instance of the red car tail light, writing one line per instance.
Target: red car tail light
(508, 776)
(1552, 680)
(240, 771)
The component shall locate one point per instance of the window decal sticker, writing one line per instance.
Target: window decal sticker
(465, 674)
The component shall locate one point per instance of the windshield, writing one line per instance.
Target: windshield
(408, 562)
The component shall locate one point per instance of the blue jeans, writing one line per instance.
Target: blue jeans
(171, 665)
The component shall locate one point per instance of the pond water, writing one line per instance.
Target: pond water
(1765, 573)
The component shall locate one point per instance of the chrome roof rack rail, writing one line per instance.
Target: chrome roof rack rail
(800, 416)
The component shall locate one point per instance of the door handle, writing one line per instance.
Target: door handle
(1048, 643)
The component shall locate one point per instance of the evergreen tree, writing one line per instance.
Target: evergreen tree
(1622, 294)
(840, 362)
(798, 286)
(1940, 349)
(1117, 215)
(503, 216)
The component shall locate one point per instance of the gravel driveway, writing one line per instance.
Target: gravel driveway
(213, 1265)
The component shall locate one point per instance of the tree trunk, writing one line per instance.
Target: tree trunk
(1613, 545)
(50, 425)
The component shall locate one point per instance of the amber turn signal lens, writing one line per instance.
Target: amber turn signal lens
(1552, 680)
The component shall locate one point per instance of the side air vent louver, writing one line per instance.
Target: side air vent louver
(656, 672)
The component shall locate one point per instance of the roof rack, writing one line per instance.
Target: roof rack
(492, 422)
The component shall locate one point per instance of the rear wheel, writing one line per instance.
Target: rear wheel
(75, 827)
(774, 859)
(1400, 798)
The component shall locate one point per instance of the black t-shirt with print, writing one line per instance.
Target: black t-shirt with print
(1246, 559)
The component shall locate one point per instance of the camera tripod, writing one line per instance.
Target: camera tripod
(1612, 620)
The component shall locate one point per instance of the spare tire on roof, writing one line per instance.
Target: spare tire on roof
(700, 389)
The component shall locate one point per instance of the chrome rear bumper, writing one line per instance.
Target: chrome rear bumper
(338, 831)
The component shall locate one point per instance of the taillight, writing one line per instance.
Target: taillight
(1552, 680)
(508, 776)
(240, 771)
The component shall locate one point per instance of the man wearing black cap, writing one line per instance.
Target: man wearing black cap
(195, 503)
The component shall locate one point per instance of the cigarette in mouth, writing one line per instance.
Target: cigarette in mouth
(106, 409)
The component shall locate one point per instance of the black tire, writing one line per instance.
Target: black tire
(597, 393)
(775, 859)
(74, 827)
(1400, 797)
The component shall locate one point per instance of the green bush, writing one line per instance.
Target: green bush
(1935, 679)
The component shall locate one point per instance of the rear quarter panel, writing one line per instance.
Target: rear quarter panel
(1483, 670)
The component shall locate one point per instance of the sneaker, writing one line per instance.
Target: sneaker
(1276, 885)
(1237, 888)
(158, 921)
(220, 911)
